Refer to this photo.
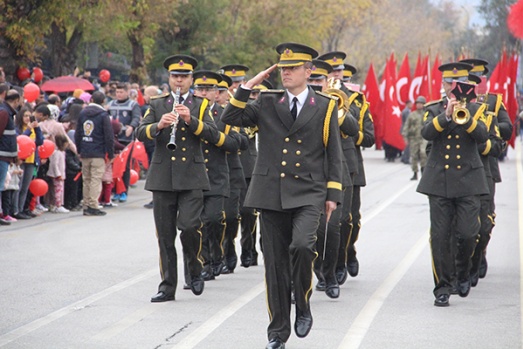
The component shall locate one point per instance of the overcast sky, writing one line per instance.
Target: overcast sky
(470, 6)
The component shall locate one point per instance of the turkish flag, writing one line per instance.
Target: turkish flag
(498, 77)
(436, 78)
(511, 92)
(391, 111)
(419, 85)
(403, 82)
(372, 94)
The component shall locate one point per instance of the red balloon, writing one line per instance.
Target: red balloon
(26, 146)
(134, 177)
(38, 187)
(23, 73)
(38, 74)
(104, 75)
(31, 92)
(46, 150)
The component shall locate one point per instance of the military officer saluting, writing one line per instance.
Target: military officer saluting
(297, 176)
(215, 158)
(453, 179)
(179, 176)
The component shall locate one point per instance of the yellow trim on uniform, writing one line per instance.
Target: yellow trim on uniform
(308, 293)
(199, 253)
(335, 61)
(237, 103)
(205, 81)
(222, 140)
(436, 124)
(488, 120)
(227, 129)
(199, 129)
(360, 138)
(347, 73)
(319, 71)
(332, 104)
(488, 145)
(499, 102)
(478, 68)
(224, 224)
(432, 262)
(203, 106)
(472, 126)
(288, 55)
(148, 131)
(425, 116)
(455, 74)
(181, 65)
(235, 73)
(333, 185)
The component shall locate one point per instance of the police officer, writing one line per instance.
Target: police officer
(215, 158)
(328, 246)
(179, 176)
(412, 134)
(297, 176)
(497, 110)
(453, 179)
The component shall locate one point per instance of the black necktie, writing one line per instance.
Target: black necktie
(180, 101)
(294, 110)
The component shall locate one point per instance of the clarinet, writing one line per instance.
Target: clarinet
(172, 141)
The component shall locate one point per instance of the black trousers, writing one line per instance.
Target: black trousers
(289, 240)
(213, 219)
(486, 214)
(355, 219)
(248, 227)
(232, 218)
(464, 214)
(180, 210)
(346, 227)
(325, 268)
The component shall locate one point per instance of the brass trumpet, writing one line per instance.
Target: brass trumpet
(334, 89)
(461, 114)
(464, 93)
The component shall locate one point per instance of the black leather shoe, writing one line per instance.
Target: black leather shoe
(207, 276)
(246, 262)
(332, 290)
(162, 297)
(321, 285)
(254, 261)
(353, 268)
(474, 278)
(414, 176)
(197, 285)
(341, 275)
(217, 269)
(275, 343)
(442, 300)
(225, 269)
(303, 323)
(464, 288)
(483, 266)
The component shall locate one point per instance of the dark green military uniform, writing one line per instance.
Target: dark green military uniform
(178, 183)
(298, 168)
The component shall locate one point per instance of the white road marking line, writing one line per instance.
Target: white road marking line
(36, 324)
(126, 322)
(362, 322)
(519, 176)
(214, 322)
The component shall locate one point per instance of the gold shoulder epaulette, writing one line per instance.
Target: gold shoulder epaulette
(272, 91)
(432, 103)
(163, 95)
(327, 95)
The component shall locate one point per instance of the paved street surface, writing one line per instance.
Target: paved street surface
(69, 281)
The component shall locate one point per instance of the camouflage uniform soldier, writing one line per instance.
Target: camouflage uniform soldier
(412, 134)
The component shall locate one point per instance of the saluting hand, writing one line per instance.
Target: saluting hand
(258, 79)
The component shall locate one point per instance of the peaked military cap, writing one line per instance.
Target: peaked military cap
(320, 69)
(265, 85)
(479, 66)
(348, 71)
(455, 71)
(206, 78)
(293, 54)
(335, 59)
(225, 83)
(180, 64)
(235, 71)
(474, 79)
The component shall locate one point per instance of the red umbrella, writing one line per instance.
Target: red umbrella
(66, 84)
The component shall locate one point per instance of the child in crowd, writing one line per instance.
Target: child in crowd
(57, 173)
(10, 194)
(73, 166)
(107, 179)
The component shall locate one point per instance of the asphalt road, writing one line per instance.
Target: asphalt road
(69, 281)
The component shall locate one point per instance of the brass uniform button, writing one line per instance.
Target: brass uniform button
(447, 167)
(206, 142)
(206, 151)
(449, 137)
(298, 152)
(284, 163)
(458, 157)
(183, 128)
(448, 146)
(284, 151)
(298, 164)
(296, 176)
(183, 159)
(239, 152)
(282, 175)
(207, 169)
(206, 160)
(299, 141)
(173, 158)
(458, 146)
(183, 138)
(447, 156)
(287, 140)
(184, 149)
(458, 167)
(457, 136)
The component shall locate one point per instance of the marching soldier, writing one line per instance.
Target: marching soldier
(412, 135)
(297, 176)
(453, 179)
(179, 176)
(347, 263)
(248, 216)
(496, 108)
(215, 158)
(328, 246)
(223, 90)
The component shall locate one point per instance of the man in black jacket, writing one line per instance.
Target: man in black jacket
(94, 142)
